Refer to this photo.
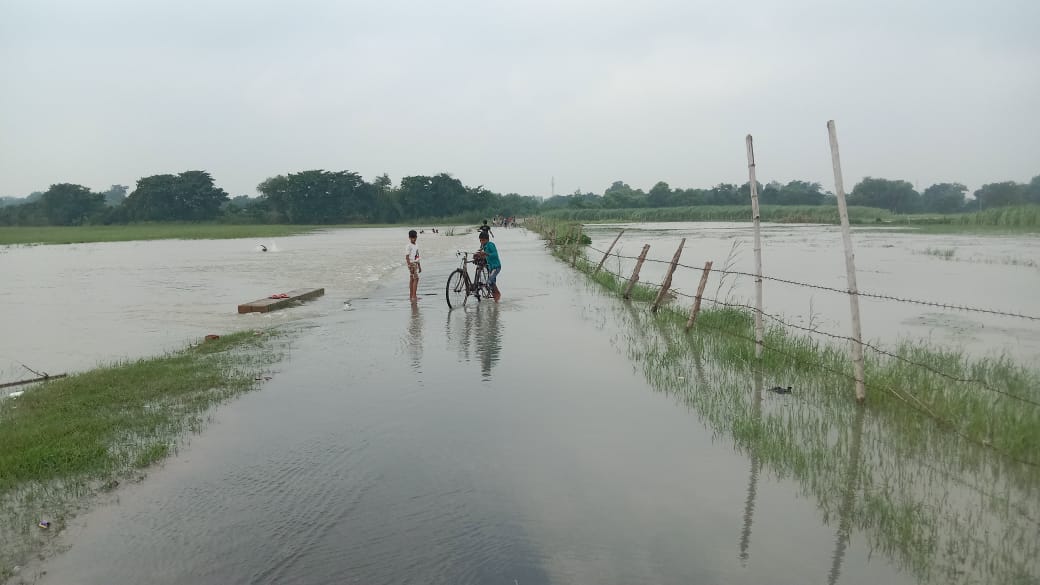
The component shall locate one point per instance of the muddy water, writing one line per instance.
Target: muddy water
(995, 272)
(533, 441)
(69, 308)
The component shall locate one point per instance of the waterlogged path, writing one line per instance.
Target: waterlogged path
(511, 444)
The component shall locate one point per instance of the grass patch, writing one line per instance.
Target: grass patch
(770, 213)
(144, 231)
(944, 253)
(69, 438)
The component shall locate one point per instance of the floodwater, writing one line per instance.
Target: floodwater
(518, 443)
(990, 272)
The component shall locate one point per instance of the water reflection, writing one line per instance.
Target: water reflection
(414, 340)
(476, 330)
(942, 510)
(848, 499)
(756, 463)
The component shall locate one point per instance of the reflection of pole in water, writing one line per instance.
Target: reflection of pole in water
(415, 325)
(848, 499)
(752, 490)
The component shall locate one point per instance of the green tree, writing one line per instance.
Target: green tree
(189, 196)
(943, 198)
(320, 197)
(1033, 190)
(115, 195)
(1000, 194)
(660, 195)
(896, 196)
(68, 204)
(619, 195)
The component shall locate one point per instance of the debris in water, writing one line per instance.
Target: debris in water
(212, 337)
(45, 524)
(780, 389)
(16, 394)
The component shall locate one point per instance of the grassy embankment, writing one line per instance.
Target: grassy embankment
(1024, 218)
(145, 231)
(67, 439)
(931, 469)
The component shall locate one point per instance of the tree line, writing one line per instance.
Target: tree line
(337, 197)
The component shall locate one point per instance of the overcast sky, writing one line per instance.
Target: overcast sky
(511, 94)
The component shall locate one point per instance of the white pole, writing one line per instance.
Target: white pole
(756, 217)
(850, 266)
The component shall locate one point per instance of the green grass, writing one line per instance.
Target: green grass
(770, 213)
(1017, 219)
(144, 231)
(69, 438)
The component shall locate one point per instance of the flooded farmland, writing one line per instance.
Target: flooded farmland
(560, 436)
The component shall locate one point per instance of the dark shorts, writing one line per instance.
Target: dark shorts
(493, 275)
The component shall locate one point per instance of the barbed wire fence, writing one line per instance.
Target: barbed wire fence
(570, 247)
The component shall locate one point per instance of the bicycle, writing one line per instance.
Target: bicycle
(460, 287)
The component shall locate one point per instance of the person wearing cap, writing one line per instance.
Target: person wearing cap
(494, 265)
(411, 257)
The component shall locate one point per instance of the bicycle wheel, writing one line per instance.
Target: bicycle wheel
(480, 287)
(455, 292)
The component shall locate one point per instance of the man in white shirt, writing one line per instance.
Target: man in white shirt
(411, 256)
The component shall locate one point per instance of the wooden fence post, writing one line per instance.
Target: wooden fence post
(577, 246)
(607, 253)
(696, 308)
(667, 283)
(850, 267)
(756, 217)
(635, 272)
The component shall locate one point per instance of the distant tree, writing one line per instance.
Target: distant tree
(943, 198)
(725, 194)
(660, 195)
(320, 196)
(619, 195)
(896, 196)
(68, 204)
(801, 193)
(1000, 194)
(115, 195)
(189, 196)
(1033, 190)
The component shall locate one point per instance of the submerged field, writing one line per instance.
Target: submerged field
(67, 439)
(938, 468)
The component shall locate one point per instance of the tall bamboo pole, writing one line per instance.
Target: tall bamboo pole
(850, 266)
(756, 217)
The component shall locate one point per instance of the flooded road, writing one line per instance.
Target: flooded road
(533, 441)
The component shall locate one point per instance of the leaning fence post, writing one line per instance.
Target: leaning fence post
(577, 242)
(696, 308)
(756, 217)
(635, 272)
(607, 253)
(667, 283)
(850, 267)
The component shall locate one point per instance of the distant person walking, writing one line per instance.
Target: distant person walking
(494, 264)
(411, 256)
(485, 230)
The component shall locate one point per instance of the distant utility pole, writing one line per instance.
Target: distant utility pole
(552, 187)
